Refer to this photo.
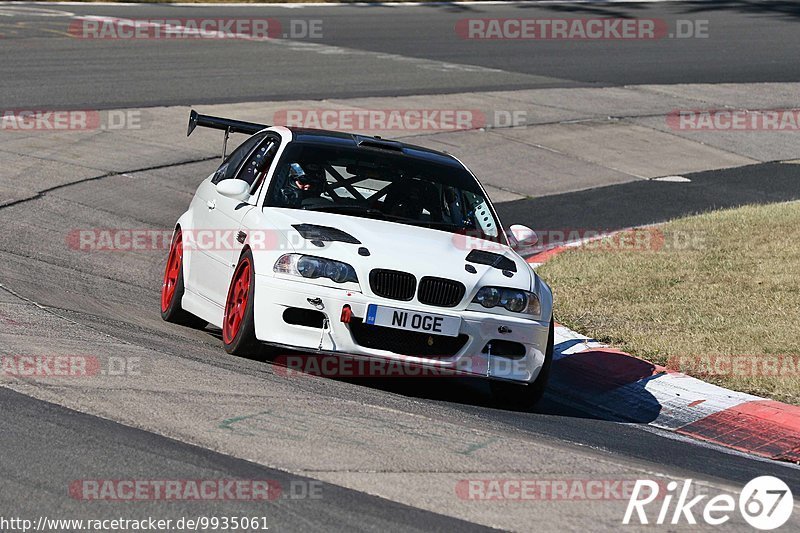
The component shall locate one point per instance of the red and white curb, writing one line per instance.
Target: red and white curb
(619, 386)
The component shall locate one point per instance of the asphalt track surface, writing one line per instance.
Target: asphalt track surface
(748, 41)
(148, 456)
(642, 202)
(45, 446)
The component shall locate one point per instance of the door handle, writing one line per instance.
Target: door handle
(211, 204)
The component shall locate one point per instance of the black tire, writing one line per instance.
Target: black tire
(243, 340)
(171, 310)
(525, 397)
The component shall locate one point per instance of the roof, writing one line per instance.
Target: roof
(308, 135)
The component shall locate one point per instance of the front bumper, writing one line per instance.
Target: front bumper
(274, 295)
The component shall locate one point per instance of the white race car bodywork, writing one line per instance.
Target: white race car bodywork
(269, 233)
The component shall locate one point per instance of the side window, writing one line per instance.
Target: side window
(258, 162)
(231, 164)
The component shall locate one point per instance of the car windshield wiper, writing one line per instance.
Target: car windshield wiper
(436, 224)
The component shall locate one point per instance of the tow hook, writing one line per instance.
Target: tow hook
(325, 325)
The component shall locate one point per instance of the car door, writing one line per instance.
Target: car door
(254, 171)
(216, 223)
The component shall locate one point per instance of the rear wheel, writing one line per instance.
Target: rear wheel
(238, 328)
(525, 397)
(172, 288)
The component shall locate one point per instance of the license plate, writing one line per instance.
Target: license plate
(391, 317)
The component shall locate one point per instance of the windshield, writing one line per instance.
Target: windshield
(382, 185)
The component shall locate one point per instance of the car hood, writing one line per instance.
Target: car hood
(419, 250)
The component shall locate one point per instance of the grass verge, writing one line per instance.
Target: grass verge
(715, 295)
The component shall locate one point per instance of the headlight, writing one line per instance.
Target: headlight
(488, 297)
(515, 300)
(311, 267)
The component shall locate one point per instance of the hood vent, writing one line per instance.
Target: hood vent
(313, 232)
(500, 262)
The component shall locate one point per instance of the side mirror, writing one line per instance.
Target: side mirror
(236, 189)
(522, 236)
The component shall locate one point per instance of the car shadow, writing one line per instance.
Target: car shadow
(607, 383)
(599, 384)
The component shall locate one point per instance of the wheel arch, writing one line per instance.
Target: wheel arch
(184, 223)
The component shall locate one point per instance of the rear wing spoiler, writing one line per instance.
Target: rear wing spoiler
(226, 124)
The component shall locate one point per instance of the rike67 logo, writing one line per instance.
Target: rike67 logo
(765, 503)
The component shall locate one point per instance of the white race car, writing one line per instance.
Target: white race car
(336, 243)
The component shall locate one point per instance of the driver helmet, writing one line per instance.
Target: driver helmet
(309, 178)
(304, 181)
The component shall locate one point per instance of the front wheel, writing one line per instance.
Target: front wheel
(525, 397)
(238, 327)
